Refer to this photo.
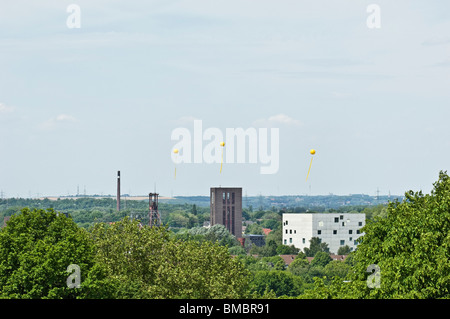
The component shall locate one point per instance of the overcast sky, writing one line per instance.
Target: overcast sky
(79, 104)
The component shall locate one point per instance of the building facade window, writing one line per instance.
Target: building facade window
(233, 218)
(336, 230)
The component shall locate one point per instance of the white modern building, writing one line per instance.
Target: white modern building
(332, 228)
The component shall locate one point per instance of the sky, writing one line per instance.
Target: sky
(79, 104)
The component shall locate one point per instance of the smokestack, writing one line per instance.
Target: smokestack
(118, 190)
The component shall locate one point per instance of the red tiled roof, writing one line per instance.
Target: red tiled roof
(288, 258)
(5, 220)
(266, 231)
(338, 257)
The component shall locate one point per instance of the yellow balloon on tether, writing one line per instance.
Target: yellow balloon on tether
(176, 152)
(221, 162)
(312, 152)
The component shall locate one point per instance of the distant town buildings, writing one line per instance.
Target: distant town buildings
(336, 230)
(257, 240)
(226, 208)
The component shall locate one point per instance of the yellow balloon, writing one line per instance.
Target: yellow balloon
(312, 152)
(175, 151)
(222, 143)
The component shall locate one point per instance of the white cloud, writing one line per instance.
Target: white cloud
(65, 118)
(6, 108)
(57, 121)
(277, 120)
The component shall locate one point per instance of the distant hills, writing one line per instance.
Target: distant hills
(292, 201)
(261, 202)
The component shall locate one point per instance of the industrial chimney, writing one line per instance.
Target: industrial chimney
(118, 190)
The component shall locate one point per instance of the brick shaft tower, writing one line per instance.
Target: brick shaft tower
(226, 208)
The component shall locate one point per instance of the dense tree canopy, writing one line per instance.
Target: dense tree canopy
(406, 244)
(315, 246)
(122, 260)
(281, 283)
(410, 247)
(36, 248)
(153, 264)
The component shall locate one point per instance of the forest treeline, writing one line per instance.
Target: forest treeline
(404, 253)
